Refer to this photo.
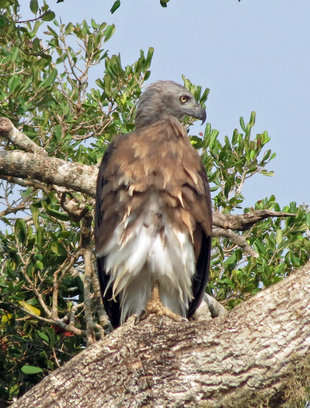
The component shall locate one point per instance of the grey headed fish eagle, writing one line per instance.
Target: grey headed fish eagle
(153, 211)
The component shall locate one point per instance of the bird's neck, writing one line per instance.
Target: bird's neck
(144, 119)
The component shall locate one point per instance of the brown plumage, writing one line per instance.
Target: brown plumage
(153, 210)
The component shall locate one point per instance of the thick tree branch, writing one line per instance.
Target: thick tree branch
(50, 170)
(215, 308)
(19, 139)
(254, 354)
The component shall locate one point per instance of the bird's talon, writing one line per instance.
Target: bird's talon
(141, 316)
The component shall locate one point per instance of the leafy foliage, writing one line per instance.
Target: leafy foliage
(46, 312)
(282, 244)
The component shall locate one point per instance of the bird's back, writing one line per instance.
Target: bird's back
(153, 213)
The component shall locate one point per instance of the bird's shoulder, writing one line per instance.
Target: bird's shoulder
(165, 141)
(160, 159)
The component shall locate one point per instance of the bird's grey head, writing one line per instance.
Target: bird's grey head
(165, 99)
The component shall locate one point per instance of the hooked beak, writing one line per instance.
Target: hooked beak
(200, 113)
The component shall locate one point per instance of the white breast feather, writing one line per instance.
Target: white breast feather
(146, 256)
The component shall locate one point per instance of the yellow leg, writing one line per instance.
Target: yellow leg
(154, 306)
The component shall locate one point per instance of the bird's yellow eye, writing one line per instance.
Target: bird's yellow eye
(184, 98)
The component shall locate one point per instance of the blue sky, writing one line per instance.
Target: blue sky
(253, 55)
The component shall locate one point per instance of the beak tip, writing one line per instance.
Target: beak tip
(203, 116)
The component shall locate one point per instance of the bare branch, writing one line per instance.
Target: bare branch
(30, 20)
(87, 255)
(102, 316)
(82, 178)
(73, 207)
(242, 222)
(216, 309)
(19, 139)
(31, 283)
(50, 170)
(11, 210)
(90, 325)
(63, 269)
(67, 327)
(26, 183)
(235, 238)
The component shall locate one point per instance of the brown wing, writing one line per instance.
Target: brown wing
(157, 159)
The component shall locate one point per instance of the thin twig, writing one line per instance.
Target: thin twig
(57, 281)
(235, 238)
(67, 327)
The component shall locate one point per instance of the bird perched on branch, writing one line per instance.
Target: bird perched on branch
(153, 212)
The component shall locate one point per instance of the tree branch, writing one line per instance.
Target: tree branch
(255, 353)
(215, 308)
(88, 271)
(17, 138)
(50, 170)
(235, 238)
(242, 222)
(67, 327)
(26, 183)
(102, 316)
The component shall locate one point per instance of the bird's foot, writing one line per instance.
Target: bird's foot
(154, 306)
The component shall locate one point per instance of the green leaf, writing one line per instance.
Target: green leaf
(115, 6)
(4, 3)
(39, 265)
(163, 3)
(252, 154)
(30, 308)
(34, 6)
(48, 16)
(54, 247)
(267, 173)
(20, 229)
(69, 28)
(15, 54)
(308, 219)
(279, 236)
(28, 369)
(35, 215)
(49, 80)
(109, 32)
(14, 82)
(242, 124)
(57, 214)
(43, 336)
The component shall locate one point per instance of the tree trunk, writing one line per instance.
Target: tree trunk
(256, 355)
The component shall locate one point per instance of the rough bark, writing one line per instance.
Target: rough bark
(252, 356)
(50, 170)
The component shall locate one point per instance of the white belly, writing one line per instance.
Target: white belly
(148, 254)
